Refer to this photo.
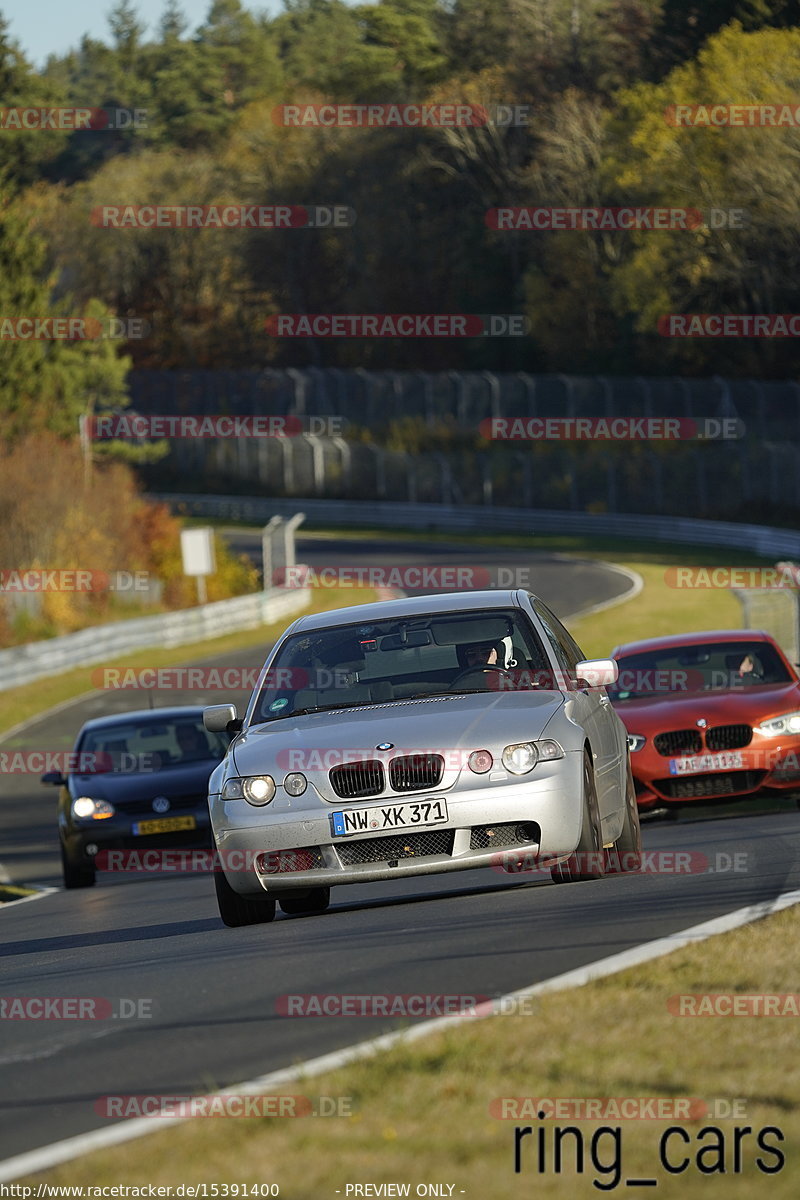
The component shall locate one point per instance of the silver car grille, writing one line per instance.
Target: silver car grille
(438, 842)
(356, 780)
(415, 772)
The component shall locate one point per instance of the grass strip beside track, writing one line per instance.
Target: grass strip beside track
(9, 891)
(420, 1112)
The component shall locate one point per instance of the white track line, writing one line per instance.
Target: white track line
(126, 1131)
(38, 892)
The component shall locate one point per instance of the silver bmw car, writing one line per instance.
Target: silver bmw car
(413, 737)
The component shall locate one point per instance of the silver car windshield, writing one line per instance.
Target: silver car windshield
(349, 666)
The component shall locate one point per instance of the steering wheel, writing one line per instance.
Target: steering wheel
(480, 667)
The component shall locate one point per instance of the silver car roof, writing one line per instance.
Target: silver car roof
(408, 606)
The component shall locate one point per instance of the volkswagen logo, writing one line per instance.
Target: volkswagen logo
(161, 804)
(385, 746)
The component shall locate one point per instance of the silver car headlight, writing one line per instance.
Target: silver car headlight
(521, 758)
(86, 806)
(635, 742)
(785, 723)
(255, 789)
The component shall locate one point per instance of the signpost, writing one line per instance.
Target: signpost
(197, 548)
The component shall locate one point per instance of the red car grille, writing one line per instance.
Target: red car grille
(723, 783)
(691, 741)
(728, 737)
(678, 741)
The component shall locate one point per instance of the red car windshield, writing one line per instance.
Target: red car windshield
(710, 666)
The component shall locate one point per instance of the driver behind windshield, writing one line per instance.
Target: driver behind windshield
(480, 654)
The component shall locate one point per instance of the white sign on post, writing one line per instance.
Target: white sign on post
(197, 549)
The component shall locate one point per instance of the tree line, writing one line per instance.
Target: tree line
(596, 80)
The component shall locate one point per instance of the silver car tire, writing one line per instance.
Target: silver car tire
(587, 861)
(625, 856)
(237, 910)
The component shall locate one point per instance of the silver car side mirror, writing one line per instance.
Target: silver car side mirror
(597, 672)
(219, 717)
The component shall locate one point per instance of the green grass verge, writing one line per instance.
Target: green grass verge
(421, 1113)
(657, 610)
(10, 891)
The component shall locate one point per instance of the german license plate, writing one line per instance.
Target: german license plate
(388, 816)
(698, 763)
(164, 825)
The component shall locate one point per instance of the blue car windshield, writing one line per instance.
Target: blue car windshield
(149, 745)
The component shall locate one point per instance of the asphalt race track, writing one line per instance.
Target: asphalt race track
(208, 997)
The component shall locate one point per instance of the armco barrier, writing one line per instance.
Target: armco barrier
(23, 664)
(761, 539)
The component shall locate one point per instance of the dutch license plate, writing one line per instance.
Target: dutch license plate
(388, 816)
(164, 825)
(698, 763)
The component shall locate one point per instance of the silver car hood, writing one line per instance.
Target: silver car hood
(448, 724)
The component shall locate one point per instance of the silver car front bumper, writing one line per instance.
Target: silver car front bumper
(551, 797)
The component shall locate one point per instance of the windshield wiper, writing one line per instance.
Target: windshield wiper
(476, 691)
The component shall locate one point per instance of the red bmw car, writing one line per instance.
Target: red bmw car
(710, 717)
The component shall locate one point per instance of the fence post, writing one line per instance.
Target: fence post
(529, 383)
(292, 524)
(267, 560)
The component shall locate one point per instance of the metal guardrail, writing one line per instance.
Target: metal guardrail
(762, 539)
(23, 664)
(776, 611)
